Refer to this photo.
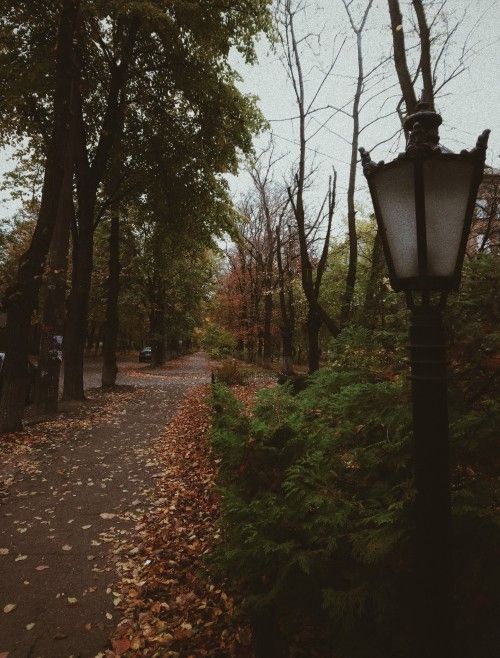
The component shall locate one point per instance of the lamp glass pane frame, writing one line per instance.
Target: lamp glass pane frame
(423, 281)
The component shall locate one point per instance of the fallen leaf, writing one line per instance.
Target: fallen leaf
(66, 547)
(72, 600)
(86, 527)
(42, 567)
(20, 558)
(107, 515)
(121, 645)
(3, 551)
(9, 607)
(109, 615)
(30, 627)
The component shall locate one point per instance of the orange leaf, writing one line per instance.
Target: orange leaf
(121, 645)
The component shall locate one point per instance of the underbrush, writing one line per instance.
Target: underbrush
(232, 372)
(317, 493)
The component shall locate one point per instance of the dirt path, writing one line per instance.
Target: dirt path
(56, 522)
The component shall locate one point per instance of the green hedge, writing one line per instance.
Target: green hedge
(317, 491)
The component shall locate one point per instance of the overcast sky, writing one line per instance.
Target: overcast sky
(469, 104)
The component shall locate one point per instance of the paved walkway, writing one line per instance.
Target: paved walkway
(57, 522)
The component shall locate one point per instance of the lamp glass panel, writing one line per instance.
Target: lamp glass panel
(447, 184)
(395, 188)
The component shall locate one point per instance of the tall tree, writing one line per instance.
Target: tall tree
(273, 206)
(22, 297)
(358, 29)
(154, 51)
(286, 242)
(312, 270)
(109, 365)
(439, 60)
(53, 300)
(91, 168)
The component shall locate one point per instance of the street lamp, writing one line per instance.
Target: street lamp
(424, 202)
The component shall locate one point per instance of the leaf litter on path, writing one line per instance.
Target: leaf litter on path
(170, 606)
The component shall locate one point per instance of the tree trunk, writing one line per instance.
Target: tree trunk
(260, 348)
(372, 292)
(352, 267)
(400, 61)
(267, 351)
(89, 177)
(98, 341)
(90, 336)
(313, 351)
(157, 328)
(76, 323)
(54, 303)
(21, 299)
(287, 339)
(250, 348)
(286, 305)
(109, 367)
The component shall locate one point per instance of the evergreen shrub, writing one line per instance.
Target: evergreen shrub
(317, 493)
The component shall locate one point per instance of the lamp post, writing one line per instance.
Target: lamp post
(424, 202)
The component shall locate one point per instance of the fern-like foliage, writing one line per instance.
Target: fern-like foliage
(317, 502)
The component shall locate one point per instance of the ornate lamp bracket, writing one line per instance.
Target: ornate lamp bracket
(423, 130)
(369, 167)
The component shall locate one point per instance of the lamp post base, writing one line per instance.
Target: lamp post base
(433, 541)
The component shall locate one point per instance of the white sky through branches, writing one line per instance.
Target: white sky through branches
(469, 103)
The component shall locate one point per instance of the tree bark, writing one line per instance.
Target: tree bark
(350, 283)
(22, 298)
(89, 177)
(54, 303)
(77, 318)
(109, 367)
(313, 326)
(267, 351)
(286, 307)
(372, 292)
(250, 347)
(310, 284)
(90, 336)
(425, 52)
(400, 61)
(157, 325)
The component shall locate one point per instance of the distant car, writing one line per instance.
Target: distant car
(145, 355)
